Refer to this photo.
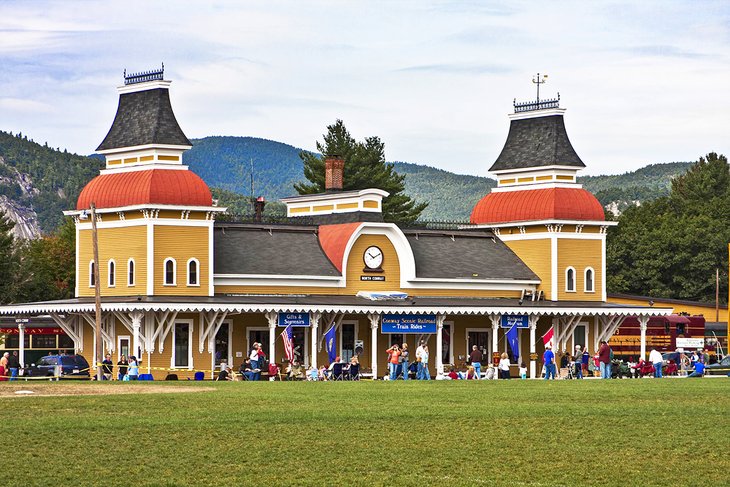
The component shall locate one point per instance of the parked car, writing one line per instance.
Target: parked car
(720, 368)
(64, 366)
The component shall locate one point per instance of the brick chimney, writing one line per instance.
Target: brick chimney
(333, 168)
(259, 209)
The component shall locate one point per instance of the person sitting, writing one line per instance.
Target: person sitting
(338, 360)
(699, 370)
(245, 370)
(225, 374)
(491, 372)
(322, 373)
(312, 374)
(471, 374)
(452, 374)
(296, 371)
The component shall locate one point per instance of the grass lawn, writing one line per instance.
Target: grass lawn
(574, 433)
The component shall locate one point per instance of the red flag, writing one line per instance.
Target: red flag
(547, 338)
(286, 336)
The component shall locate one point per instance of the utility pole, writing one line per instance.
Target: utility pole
(97, 295)
(717, 295)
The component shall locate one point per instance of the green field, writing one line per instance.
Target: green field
(574, 433)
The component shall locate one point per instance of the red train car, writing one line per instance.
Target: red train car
(661, 333)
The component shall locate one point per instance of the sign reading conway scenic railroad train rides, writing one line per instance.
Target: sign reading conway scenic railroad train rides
(518, 321)
(293, 319)
(409, 324)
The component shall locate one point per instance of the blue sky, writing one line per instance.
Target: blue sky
(643, 82)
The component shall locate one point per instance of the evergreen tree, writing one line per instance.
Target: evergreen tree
(672, 246)
(365, 167)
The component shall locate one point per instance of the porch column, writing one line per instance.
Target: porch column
(533, 352)
(273, 319)
(21, 345)
(643, 320)
(315, 328)
(374, 320)
(136, 324)
(440, 344)
(495, 330)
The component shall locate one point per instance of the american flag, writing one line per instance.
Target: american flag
(288, 343)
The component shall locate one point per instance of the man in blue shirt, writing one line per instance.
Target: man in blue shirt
(548, 359)
(699, 370)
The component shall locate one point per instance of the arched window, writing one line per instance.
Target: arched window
(130, 272)
(170, 271)
(570, 280)
(589, 280)
(92, 280)
(112, 268)
(193, 268)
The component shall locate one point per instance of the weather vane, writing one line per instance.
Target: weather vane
(539, 81)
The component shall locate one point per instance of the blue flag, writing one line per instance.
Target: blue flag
(329, 343)
(514, 342)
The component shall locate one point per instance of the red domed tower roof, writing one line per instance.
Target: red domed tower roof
(537, 204)
(148, 187)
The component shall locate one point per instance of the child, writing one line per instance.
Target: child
(523, 371)
(312, 374)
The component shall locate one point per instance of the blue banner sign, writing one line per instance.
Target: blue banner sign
(408, 324)
(518, 321)
(293, 319)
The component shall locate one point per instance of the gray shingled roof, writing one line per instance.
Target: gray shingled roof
(537, 142)
(144, 117)
(271, 250)
(461, 254)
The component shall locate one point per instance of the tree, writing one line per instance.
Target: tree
(672, 246)
(365, 167)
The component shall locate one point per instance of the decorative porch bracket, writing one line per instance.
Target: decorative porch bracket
(610, 326)
(568, 325)
(210, 323)
(107, 329)
(71, 325)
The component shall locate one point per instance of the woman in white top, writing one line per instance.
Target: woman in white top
(504, 366)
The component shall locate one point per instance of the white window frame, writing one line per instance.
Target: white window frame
(134, 273)
(197, 271)
(174, 272)
(119, 345)
(575, 279)
(339, 332)
(188, 322)
(111, 273)
(229, 358)
(488, 351)
(585, 280)
(584, 324)
(91, 273)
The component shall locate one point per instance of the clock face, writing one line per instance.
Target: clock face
(373, 257)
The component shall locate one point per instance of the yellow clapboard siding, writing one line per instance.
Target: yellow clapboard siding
(579, 254)
(119, 244)
(346, 206)
(561, 177)
(168, 158)
(146, 158)
(181, 243)
(543, 178)
(114, 162)
(506, 181)
(369, 204)
(301, 209)
(536, 254)
(324, 208)
(525, 180)
(130, 160)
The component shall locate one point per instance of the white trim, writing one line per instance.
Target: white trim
(188, 322)
(77, 268)
(356, 328)
(604, 297)
(149, 206)
(229, 358)
(134, 272)
(144, 166)
(488, 351)
(136, 222)
(374, 308)
(144, 86)
(534, 186)
(91, 273)
(174, 272)
(518, 170)
(548, 112)
(546, 235)
(110, 274)
(334, 196)
(143, 147)
(119, 347)
(197, 272)
(211, 261)
(553, 267)
(575, 280)
(585, 326)
(150, 259)
(585, 280)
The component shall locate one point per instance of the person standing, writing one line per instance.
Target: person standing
(404, 360)
(548, 359)
(4, 372)
(107, 368)
(584, 360)
(393, 359)
(504, 366)
(419, 360)
(133, 368)
(657, 361)
(122, 367)
(476, 357)
(604, 360)
(14, 365)
(254, 357)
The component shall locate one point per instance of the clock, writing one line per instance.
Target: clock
(373, 258)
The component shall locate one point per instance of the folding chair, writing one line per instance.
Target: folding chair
(354, 372)
(337, 372)
(274, 371)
